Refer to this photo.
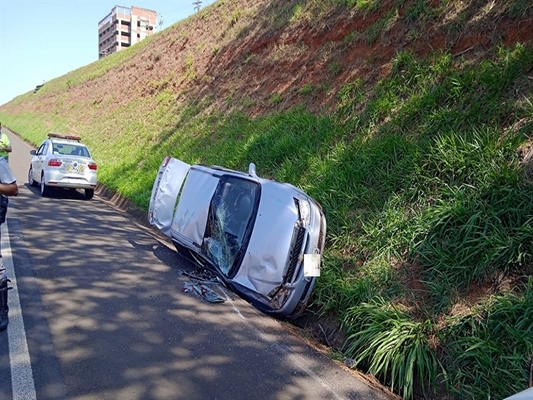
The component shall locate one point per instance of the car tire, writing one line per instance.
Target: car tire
(31, 181)
(89, 193)
(45, 190)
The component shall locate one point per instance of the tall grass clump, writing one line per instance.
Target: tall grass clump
(386, 342)
(480, 221)
(488, 351)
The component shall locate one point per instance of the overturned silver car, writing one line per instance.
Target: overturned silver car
(263, 239)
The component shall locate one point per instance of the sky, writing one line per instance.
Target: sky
(43, 39)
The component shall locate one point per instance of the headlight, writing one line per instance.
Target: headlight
(305, 211)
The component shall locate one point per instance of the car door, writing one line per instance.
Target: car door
(39, 161)
(190, 218)
(165, 191)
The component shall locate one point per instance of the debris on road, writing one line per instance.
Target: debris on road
(204, 291)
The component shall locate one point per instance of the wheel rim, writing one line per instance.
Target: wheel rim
(30, 177)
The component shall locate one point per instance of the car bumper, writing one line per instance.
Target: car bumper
(57, 179)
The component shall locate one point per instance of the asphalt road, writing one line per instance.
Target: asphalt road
(99, 311)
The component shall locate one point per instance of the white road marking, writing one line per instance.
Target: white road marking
(22, 382)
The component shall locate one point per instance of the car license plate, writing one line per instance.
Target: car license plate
(79, 168)
(311, 265)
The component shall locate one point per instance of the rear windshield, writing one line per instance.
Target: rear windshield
(71, 149)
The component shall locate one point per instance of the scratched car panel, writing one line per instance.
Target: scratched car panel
(258, 236)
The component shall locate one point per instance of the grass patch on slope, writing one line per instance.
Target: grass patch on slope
(425, 196)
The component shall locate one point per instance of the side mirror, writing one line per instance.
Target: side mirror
(251, 170)
(33, 152)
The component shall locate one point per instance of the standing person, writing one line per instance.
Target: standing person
(5, 145)
(8, 187)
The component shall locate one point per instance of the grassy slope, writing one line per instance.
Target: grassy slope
(410, 121)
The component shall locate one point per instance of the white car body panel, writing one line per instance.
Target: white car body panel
(262, 258)
(170, 177)
(523, 395)
(191, 214)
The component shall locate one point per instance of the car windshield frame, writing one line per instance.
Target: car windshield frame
(232, 214)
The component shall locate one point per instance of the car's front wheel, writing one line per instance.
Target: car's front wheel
(89, 193)
(45, 190)
(31, 181)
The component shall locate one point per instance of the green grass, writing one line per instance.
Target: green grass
(421, 182)
(393, 347)
(492, 344)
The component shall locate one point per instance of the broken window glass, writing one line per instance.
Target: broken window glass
(231, 216)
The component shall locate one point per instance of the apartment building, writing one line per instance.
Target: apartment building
(123, 27)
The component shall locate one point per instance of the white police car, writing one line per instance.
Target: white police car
(62, 161)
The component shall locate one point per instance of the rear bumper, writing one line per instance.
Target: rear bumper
(58, 179)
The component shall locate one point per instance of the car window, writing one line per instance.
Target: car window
(42, 149)
(79, 151)
(231, 216)
(61, 149)
(70, 149)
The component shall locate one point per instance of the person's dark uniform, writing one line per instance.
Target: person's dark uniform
(8, 187)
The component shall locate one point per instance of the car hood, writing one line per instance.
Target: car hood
(264, 263)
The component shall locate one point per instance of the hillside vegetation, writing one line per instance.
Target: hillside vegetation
(410, 121)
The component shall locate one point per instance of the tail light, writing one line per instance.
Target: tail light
(55, 163)
(93, 166)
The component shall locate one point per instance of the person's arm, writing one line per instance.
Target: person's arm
(9, 189)
(5, 143)
(7, 148)
(6, 175)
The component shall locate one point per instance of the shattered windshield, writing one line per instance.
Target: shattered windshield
(231, 215)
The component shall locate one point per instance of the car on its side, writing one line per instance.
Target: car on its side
(62, 161)
(262, 239)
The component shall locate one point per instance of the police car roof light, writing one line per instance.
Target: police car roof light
(69, 137)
